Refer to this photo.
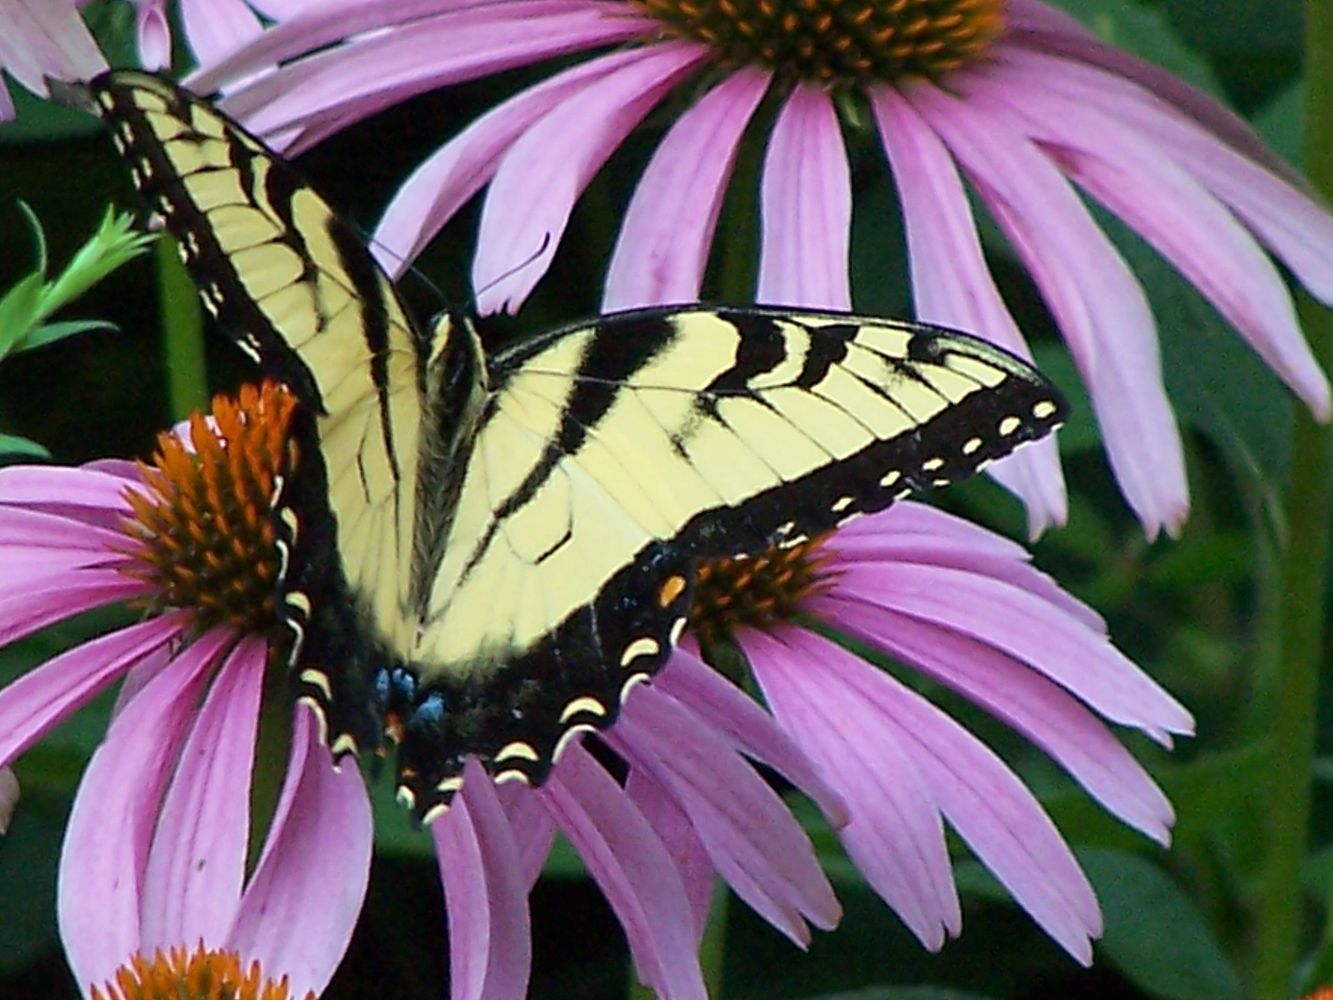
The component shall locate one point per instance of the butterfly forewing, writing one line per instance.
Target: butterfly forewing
(609, 458)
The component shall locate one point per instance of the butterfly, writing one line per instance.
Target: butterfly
(489, 551)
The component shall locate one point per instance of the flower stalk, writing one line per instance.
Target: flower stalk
(1301, 580)
(182, 335)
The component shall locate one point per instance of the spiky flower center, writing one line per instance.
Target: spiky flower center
(204, 533)
(197, 975)
(759, 591)
(838, 42)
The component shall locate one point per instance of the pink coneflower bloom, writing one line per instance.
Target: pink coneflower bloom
(1009, 98)
(964, 608)
(957, 603)
(44, 38)
(154, 858)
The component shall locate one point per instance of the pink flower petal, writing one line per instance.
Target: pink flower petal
(951, 283)
(989, 807)
(1025, 701)
(486, 896)
(458, 169)
(45, 696)
(115, 812)
(153, 32)
(192, 883)
(1095, 298)
(345, 83)
(667, 235)
(895, 836)
(545, 171)
(23, 614)
(750, 835)
(301, 906)
(23, 529)
(28, 485)
(1296, 227)
(806, 207)
(750, 729)
(1035, 26)
(531, 827)
(678, 836)
(46, 38)
(1172, 212)
(1028, 629)
(633, 870)
(910, 532)
(217, 28)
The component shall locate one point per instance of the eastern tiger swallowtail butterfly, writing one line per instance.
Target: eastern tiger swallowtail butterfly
(490, 551)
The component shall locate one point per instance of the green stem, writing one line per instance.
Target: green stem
(1301, 578)
(182, 334)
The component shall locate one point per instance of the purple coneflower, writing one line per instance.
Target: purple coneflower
(154, 859)
(44, 38)
(1008, 97)
(958, 604)
(213, 29)
(964, 608)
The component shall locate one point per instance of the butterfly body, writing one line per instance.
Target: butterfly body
(488, 552)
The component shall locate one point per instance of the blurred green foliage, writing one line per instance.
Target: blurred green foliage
(1188, 610)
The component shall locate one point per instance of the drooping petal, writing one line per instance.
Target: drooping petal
(1095, 298)
(806, 207)
(458, 169)
(632, 869)
(545, 171)
(952, 285)
(301, 904)
(750, 835)
(1171, 211)
(192, 883)
(981, 798)
(750, 729)
(1024, 700)
(531, 827)
(678, 836)
(1028, 629)
(115, 813)
(1035, 26)
(486, 896)
(665, 240)
(1296, 227)
(36, 702)
(895, 836)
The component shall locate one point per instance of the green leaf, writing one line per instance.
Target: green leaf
(29, 854)
(1155, 935)
(49, 333)
(20, 310)
(12, 444)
